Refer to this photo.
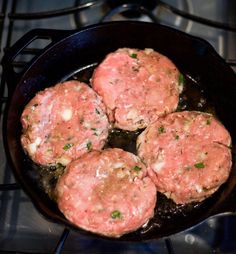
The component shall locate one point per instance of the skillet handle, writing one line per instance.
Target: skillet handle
(13, 65)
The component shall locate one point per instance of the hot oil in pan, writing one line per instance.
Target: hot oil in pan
(166, 212)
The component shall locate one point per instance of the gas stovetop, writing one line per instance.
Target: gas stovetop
(22, 228)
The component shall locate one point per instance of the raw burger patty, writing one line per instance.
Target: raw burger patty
(187, 154)
(63, 122)
(107, 192)
(137, 86)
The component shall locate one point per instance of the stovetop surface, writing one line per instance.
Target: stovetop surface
(22, 228)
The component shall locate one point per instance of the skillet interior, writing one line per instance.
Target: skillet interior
(207, 75)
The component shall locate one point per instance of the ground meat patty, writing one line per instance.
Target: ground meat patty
(137, 86)
(107, 192)
(187, 154)
(63, 122)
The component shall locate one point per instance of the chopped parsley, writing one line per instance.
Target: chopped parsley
(181, 79)
(67, 146)
(94, 131)
(133, 55)
(89, 146)
(161, 129)
(59, 166)
(97, 111)
(115, 214)
(208, 121)
(137, 168)
(177, 137)
(199, 165)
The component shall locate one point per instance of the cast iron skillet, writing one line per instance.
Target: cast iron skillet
(206, 73)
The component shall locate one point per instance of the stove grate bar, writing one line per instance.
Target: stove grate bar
(198, 19)
(9, 187)
(231, 62)
(61, 242)
(20, 252)
(169, 246)
(51, 14)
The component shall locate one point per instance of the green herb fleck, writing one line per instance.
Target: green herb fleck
(161, 129)
(208, 122)
(67, 146)
(181, 79)
(97, 111)
(137, 168)
(177, 137)
(199, 165)
(59, 166)
(89, 146)
(115, 214)
(94, 131)
(133, 55)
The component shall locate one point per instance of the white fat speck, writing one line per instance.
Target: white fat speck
(202, 155)
(98, 207)
(37, 141)
(99, 174)
(152, 78)
(135, 158)
(128, 106)
(122, 173)
(158, 166)
(33, 107)
(148, 50)
(198, 188)
(32, 148)
(87, 125)
(118, 165)
(132, 114)
(130, 51)
(64, 160)
(187, 126)
(66, 114)
(81, 146)
(77, 88)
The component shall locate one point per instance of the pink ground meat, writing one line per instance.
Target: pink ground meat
(187, 154)
(137, 86)
(107, 192)
(63, 122)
